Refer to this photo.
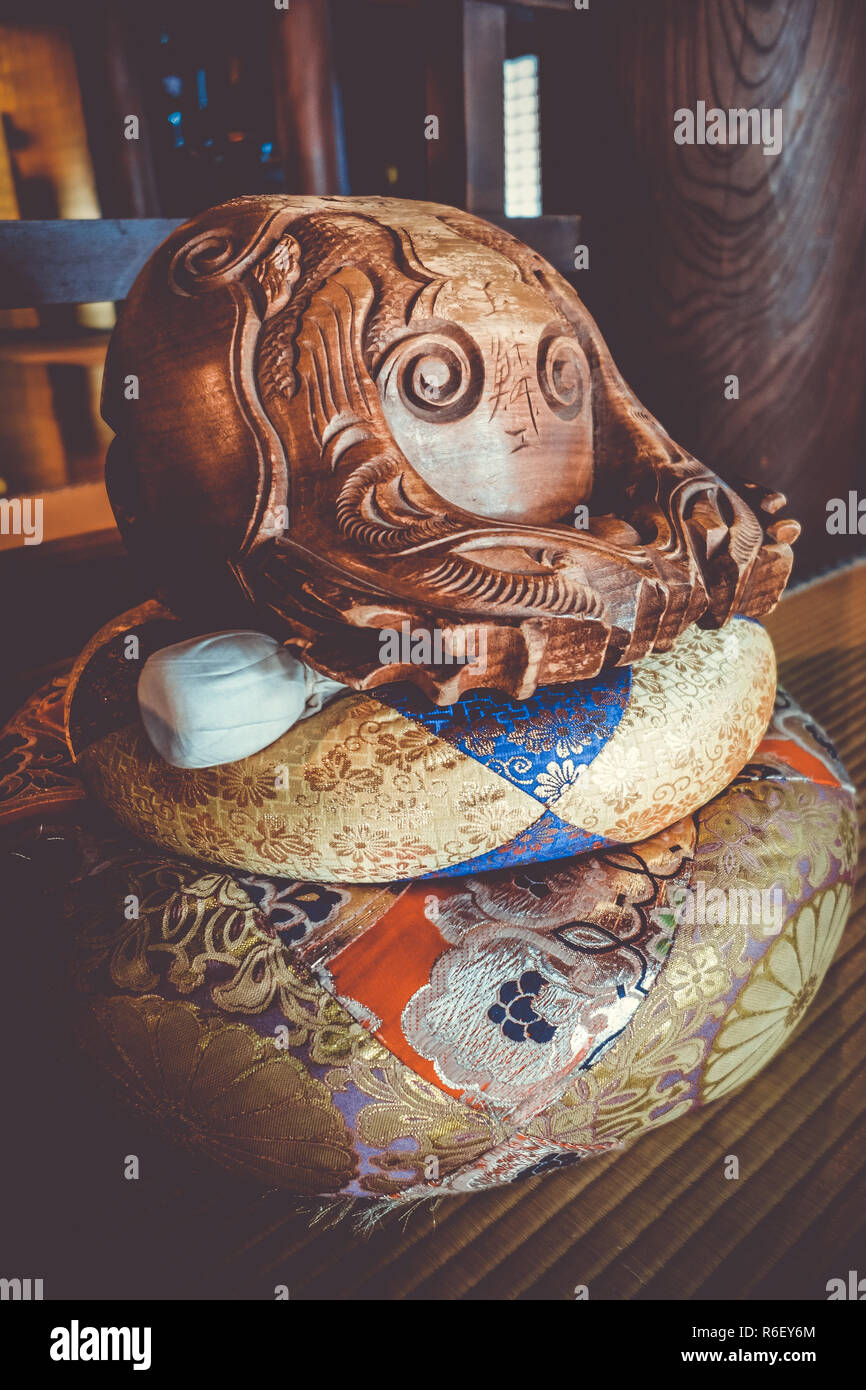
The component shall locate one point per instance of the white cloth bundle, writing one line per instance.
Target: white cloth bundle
(221, 697)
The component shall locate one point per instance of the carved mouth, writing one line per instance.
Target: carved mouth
(494, 535)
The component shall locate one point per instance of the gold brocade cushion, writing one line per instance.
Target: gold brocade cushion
(442, 1037)
(412, 1040)
(384, 787)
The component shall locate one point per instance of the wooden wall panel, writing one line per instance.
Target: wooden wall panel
(716, 260)
(51, 432)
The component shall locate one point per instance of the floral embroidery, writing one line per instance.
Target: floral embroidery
(568, 969)
(479, 808)
(515, 1013)
(207, 982)
(556, 779)
(518, 1156)
(697, 976)
(179, 786)
(335, 771)
(279, 845)
(789, 813)
(668, 746)
(479, 738)
(202, 835)
(559, 730)
(391, 785)
(374, 850)
(408, 1124)
(226, 1090)
(572, 721)
(777, 994)
(242, 784)
(292, 908)
(666, 1062)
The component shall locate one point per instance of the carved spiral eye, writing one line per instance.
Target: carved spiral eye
(433, 379)
(438, 376)
(561, 375)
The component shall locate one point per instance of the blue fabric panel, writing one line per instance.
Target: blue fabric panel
(520, 739)
(547, 838)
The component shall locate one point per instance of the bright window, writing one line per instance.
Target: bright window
(522, 138)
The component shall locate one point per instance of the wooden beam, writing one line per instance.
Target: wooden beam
(444, 99)
(78, 510)
(80, 262)
(75, 262)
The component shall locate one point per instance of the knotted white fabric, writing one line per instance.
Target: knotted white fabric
(222, 697)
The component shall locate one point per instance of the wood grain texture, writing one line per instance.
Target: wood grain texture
(367, 413)
(44, 171)
(84, 350)
(717, 260)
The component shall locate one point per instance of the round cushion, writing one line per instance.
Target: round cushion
(425, 1038)
(372, 789)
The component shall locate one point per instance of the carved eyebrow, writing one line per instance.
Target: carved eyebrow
(412, 266)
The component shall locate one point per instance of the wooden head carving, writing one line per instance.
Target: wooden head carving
(359, 413)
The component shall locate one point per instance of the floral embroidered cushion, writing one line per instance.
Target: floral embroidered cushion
(417, 1039)
(384, 787)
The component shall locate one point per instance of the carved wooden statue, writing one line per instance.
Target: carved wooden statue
(355, 413)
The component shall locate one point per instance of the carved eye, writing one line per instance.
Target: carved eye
(561, 375)
(437, 375)
(434, 378)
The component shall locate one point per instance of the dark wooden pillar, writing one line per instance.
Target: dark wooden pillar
(443, 55)
(709, 261)
(111, 91)
(304, 91)
(464, 52)
(483, 82)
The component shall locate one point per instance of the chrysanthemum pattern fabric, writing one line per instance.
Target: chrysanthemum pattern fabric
(443, 1036)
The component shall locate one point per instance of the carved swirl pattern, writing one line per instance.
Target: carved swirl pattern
(417, 403)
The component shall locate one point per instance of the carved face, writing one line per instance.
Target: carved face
(490, 401)
(365, 411)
